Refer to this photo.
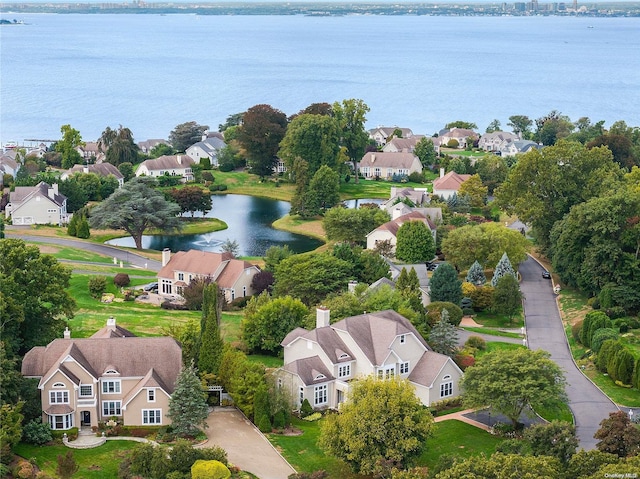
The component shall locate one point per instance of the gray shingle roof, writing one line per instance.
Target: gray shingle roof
(310, 370)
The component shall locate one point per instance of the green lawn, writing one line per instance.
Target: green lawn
(492, 320)
(493, 332)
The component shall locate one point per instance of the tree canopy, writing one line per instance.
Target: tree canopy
(415, 243)
(191, 199)
(425, 151)
(134, 208)
(263, 128)
(188, 409)
(118, 146)
(352, 224)
(383, 423)
(445, 285)
(510, 380)
(71, 139)
(351, 116)
(186, 134)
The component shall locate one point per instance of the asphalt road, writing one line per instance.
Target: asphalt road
(545, 331)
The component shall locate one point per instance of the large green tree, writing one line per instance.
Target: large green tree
(415, 243)
(425, 151)
(134, 208)
(511, 380)
(445, 285)
(71, 139)
(505, 466)
(382, 423)
(507, 298)
(314, 138)
(191, 199)
(493, 170)
(521, 125)
(210, 345)
(264, 328)
(556, 439)
(186, 134)
(352, 224)
(263, 128)
(118, 146)
(188, 409)
(552, 127)
(324, 190)
(475, 190)
(544, 184)
(351, 116)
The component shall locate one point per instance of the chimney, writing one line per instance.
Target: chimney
(322, 317)
(166, 256)
(352, 286)
(179, 158)
(53, 191)
(373, 158)
(67, 333)
(396, 213)
(204, 136)
(85, 169)
(111, 323)
(441, 172)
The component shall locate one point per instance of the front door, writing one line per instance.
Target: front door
(86, 418)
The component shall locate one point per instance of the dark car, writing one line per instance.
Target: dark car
(546, 274)
(150, 287)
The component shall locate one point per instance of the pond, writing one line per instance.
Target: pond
(249, 219)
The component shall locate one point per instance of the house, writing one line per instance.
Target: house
(520, 146)
(376, 164)
(493, 141)
(90, 150)
(446, 185)
(37, 205)
(148, 145)
(8, 165)
(319, 364)
(234, 276)
(461, 135)
(421, 273)
(406, 196)
(100, 169)
(389, 230)
(112, 374)
(382, 134)
(280, 166)
(207, 148)
(167, 165)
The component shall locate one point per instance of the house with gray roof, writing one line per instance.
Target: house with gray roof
(37, 205)
(320, 363)
(208, 148)
(148, 145)
(492, 141)
(513, 148)
(167, 165)
(101, 169)
(112, 374)
(376, 164)
(382, 134)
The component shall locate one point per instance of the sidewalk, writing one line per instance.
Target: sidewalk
(460, 416)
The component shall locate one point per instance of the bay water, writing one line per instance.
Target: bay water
(151, 72)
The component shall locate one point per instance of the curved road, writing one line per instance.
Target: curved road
(545, 331)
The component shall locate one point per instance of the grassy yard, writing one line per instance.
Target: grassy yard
(493, 332)
(492, 320)
(295, 224)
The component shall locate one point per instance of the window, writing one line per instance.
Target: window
(404, 368)
(64, 421)
(344, 370)
(233, 294)
(111, 387)
(244, 291)
(320, 395)
(151, 395)
(152, 416)
(403, 338)
(446, 389)
(111, 408)
(180, 276)
(387, 372)
(58, 397)
(86, 390)
(301, 395)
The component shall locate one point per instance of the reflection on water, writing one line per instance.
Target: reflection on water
(249, 219)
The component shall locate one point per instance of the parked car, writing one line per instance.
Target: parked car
(150, 287)
(546, 274)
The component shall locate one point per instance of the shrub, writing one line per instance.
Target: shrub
(600, 336)
(476, 342)
(226, 166)
(279, 420)
(591, 323)
(616, 312)
(264, 423)
(482, 298)
(169, 305)
(576, 330)
(97, 286)
(594, 302)
(83, 231)
(305, 408)
(624, 366)
(121, 279)
(464, 360)
(202, 469)
(416, 177)
(214, 454)
(466, 303)
(23, 470)
(36, 432)
(313, 417)
(208, 176)
(609, 348)
(214, 188)
(435, 309)
(223, 188)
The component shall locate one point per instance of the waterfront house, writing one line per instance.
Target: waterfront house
(37, 205)
(8, 166)
(520, 146)
(382, 134)
(100, 169)
(167, 165)
(462, 135)
(375, 164)
(493, 141)
(234, 276)
(448, 184)
(148, 145)
(320, 363)
(208, 148)
(110, 375)
(90, 151)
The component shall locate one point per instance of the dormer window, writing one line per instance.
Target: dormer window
(58, 385)
(111, 371)
(320, 376)
(344, 370)
(344, 356)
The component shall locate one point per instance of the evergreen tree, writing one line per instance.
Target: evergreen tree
(445, 285)
(83, 229)
(507, 298)
(188, 405)
(72, 227)
(444, 336)
(475, 275)
(503, 267)
(211, 343)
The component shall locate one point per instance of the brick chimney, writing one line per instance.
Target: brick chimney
(322, 317)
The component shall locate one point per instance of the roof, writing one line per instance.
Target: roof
(394, 225)
(450, 181)
(148, 145)
(387, 131)
(211, 146)
(25, 193)
(168, 162)
(221, 267)
(426, 371)
(498, 135)
(130, 356)
(310, 370)
(100, 169)
(391, 160)
(375, 332)
(460, 133)
(400, 144)
(113, 332)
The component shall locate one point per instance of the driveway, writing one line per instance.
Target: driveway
(246, 447)
(545, 331)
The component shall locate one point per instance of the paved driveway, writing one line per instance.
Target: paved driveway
(246, 447)
(545, 331)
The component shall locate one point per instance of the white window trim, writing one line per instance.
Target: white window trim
(117, 405)
(116, 385)
(152, 413)
(151, 395)
(344, 370)
(320, 395)
(64, 396)
(403, 338)
(446, 389)
(85, 395)
(404, 366)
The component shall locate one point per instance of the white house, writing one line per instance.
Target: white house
(208, 148)
(167, 165)
(319, 364)
(382, 134)
(148, 145)
(41, 204)
(492, 141)
(513, 148)
(461, 135)
(375, 164)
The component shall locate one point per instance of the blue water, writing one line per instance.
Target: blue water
(151, 72)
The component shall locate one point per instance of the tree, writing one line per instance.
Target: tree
(383, 422)
(311, 277)
(230, 246)
(507, 298)
(262, 281)
(191, 199)
(67, 466)
(443, 337)
(71, 139)
(502, 268)
(445, 285)
(118, 146)
(461, 124)
(352, 224)
(264, 329)
(134, 208)
(314, 138)
(351, 116)
(188, 409)
(585, 463)
(544, 184)
(505, 466)
(241, 378)
(274, 255)
(263, 128)
(552, 127)
(127, 170)
(493, 126)
(475, 190)
(186, 134)
(425, 151)
(301, 203)
(618, 435)
(211, 343)
(161, 149)
(476, 275)
(324, 189)
(10, 429)
(556, 439)
(510, 380)
(493, 170)
(415, 242)
(83, 229)
(234, 119)
(521, 125)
